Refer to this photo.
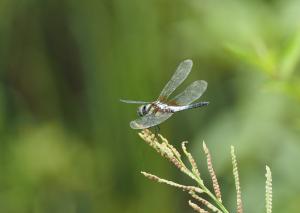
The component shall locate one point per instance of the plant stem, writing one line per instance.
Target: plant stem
(201, 185)
(206, 190)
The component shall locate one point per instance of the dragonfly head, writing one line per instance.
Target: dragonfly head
(143, 110)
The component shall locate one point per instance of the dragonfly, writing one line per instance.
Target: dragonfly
(154, 113)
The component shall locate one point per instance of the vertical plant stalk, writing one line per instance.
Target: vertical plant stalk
(268, 190)
(237, 182)
(212, 173)
(191, 160)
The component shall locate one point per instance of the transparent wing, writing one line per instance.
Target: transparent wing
(150, 120)
(178, 77)
(190, 94)
(134, 102)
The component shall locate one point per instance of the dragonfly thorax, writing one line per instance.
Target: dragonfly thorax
(143, 110)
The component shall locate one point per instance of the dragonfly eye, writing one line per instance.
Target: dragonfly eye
(142, 110)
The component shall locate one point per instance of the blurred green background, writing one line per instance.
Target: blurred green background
(66, 145)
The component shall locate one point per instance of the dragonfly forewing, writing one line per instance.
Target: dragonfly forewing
(134, 102)
(178, 77)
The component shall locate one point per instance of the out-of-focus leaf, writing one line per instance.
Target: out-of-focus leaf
(260, 57)
(244, 54)
(290, 56)
(288, 88)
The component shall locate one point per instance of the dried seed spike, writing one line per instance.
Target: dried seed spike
(147, 131)
(166, 151)
(179, 165)
(161, 148)
(145, 135)
(197, 208)
(163, 139)
(174, 150)
(191, 159)
(205, 202)
(176, 153)
(171, 183)
(268, 190)
(212, 173)
(237, 182)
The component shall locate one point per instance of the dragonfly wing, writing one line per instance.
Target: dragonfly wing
(191, 93)
(134, 102)
(178, 77)
(150, 120)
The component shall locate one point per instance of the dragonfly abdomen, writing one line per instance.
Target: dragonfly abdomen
(199, 104)
(191, 106)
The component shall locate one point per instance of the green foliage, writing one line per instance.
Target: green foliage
(279, 64)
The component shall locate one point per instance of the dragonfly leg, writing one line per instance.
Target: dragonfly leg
(156, 129)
